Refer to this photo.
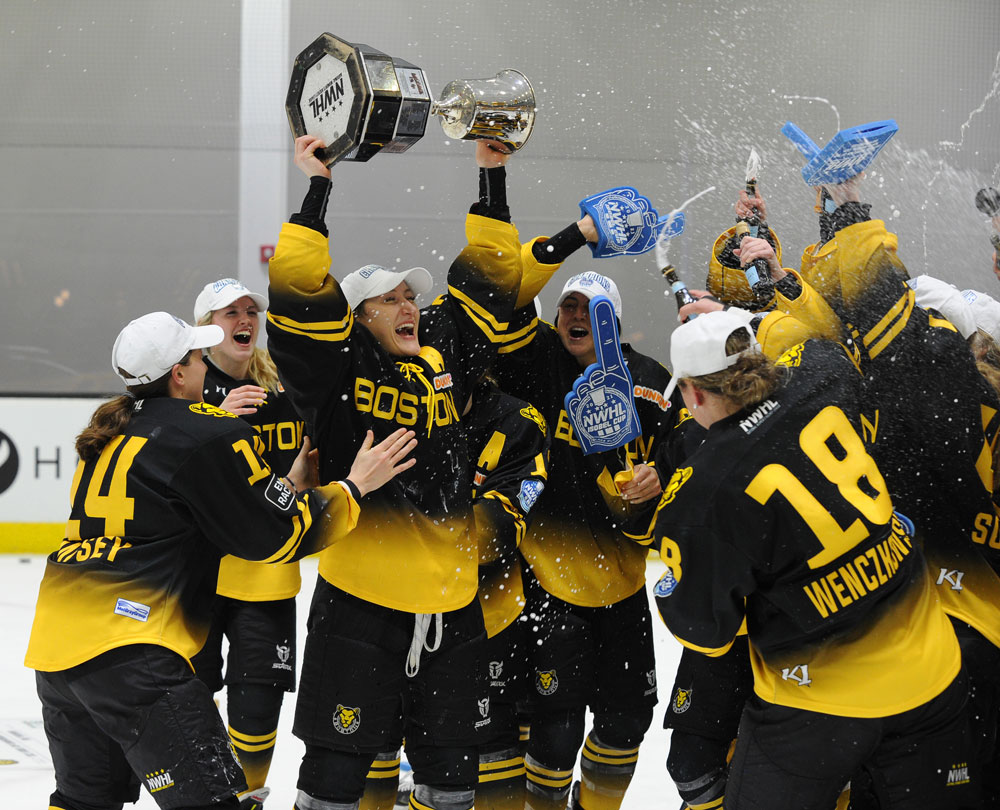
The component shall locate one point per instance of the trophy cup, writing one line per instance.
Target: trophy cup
(361, 101)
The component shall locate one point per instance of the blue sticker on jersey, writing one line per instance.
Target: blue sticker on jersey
(530, 490)
(908, 524)
(665, 585)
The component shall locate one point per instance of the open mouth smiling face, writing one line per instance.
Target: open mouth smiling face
(393, 319)
(573, 326)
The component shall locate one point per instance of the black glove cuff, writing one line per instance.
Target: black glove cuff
(313, 211)
(850, 213)
(492, 201)
(789, 287)
(556, 249)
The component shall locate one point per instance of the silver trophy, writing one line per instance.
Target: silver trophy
(361, 101)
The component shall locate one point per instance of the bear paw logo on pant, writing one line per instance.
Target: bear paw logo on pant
(546, 682)
(346, 719)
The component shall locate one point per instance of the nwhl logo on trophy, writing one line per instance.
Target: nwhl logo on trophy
(361, 101)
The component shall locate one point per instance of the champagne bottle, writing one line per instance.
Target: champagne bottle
(680, 290)
(758, 273)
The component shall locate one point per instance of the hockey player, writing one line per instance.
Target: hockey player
(395, 631)
(255, 607)
(590, 640)
(509, 441)
(782, 520)
(165, 486)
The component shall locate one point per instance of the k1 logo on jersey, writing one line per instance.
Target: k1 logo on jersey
(347, 720)
(798, 673)
(953, 578)
(546, 682)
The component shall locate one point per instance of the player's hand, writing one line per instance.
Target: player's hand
(746, 204)
(705, 303)
(643, 486)
(491, 154)
(587, 228)
(848, 191)
(305, 157)
(753, 248)
(244, 400)
(304, 473)
(375, 466)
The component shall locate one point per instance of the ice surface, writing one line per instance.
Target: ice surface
(28, 782)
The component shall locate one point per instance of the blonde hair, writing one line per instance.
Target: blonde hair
(261, 369)
(751, 379)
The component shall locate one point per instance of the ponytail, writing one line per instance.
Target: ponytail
(109, 420)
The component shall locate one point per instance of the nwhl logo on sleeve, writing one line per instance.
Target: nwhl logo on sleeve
(159, 780)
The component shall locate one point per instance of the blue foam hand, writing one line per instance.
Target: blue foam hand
(625, 221)
(802, 141)
(670, 225)
(601, 407)
(847, 154)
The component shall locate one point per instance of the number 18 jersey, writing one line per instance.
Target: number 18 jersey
(782, 519)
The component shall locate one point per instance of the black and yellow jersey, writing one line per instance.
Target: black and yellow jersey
(585, 545)
(782, 519)
(931, 419)
(415, 546)
(509, 442)
(281, 432)
(151, 517)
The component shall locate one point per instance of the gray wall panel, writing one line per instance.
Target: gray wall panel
(118, 143)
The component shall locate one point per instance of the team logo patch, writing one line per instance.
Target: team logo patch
(665, 585)
(530, 412)
(792, 357)
(346, 719)
(530, 490)
(682, 700)
(209, 410)
(546, 682)
(677, 480)
(132, 610)
(496, 669)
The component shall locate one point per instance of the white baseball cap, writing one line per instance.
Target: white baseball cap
(985, 312)
(150, 346)
(218, 294)
(590, 285)
(373, 279)
(698, 346)
(932, 293)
